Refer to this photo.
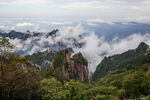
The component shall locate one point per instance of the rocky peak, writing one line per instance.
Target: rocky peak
(72, 68)
(111, 64)
(12, 32)
(142, 47)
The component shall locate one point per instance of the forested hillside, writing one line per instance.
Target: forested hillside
(21, 80)
(128, 59)
(42, 59)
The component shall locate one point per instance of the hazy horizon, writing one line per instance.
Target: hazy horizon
(107, 10)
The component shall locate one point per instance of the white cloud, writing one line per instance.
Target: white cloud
(2, 26)
(84, 5)
(26, 2)
(35, 44)
(24, 24)
(113, 10)
(97, 21)
(140, 19)
(108, 4)
(61, 23)
(94, 49)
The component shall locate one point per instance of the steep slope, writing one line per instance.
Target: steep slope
(42, 59)
(112, 64)
(71, 68)
(128, 83)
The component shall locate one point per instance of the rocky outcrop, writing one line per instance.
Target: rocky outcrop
(112, 72)
(35, 65)
(72, 68)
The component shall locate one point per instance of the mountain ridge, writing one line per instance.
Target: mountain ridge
(116, 62)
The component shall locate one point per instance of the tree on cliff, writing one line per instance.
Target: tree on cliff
(5, 46)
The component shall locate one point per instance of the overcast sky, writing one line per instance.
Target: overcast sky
(112, 10)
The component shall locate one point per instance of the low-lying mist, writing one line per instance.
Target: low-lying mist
(94, 48)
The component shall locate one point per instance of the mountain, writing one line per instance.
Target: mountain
(38, 41)
(127, 83)
(75, 67)
(25, 35)
(42, 59)
(113, 64)
(68, 76)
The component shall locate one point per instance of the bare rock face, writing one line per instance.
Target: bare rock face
(72, 68)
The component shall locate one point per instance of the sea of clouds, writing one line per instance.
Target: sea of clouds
(94, 49)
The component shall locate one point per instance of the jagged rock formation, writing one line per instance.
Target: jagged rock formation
(71, 68)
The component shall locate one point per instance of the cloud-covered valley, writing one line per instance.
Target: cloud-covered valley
(93, 48)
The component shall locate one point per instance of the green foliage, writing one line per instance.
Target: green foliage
(146, 59)
(19, 80)
(102, 97)
(117, 83)
(128, 82)
(49, 73)
(148, 97)
(51, 89)
(136, 84)
(59, 59)
(66, 65)
(77, 90)
(39, 58)
(121, 93)
(5, 46)
(80, 59)
(142, 47)
(128, 60)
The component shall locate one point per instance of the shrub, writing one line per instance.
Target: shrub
(121, 93)
(102, 97)
(59, 59)
(80, 59)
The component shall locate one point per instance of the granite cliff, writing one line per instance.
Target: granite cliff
(75, 67)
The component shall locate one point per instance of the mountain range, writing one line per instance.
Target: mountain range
(63, 75)
(50, 40)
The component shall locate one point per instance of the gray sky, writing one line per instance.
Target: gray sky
(112, 10)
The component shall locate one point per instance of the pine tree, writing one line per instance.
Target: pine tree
(5, 47)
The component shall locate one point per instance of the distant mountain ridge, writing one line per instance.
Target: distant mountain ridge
(25, 35)
(41, 40)
(114, 63)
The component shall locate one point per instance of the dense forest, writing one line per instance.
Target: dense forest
(22, 80)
